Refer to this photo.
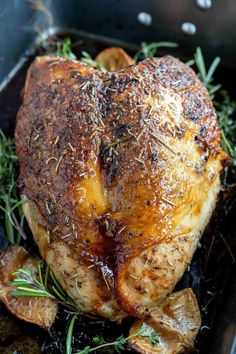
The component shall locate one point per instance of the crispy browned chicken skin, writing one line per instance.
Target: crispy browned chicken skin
(121, 173)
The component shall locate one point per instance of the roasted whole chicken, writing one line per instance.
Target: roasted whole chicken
(120, 175)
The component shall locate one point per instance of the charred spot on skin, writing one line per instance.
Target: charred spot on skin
(198, 138)
(201, 143)
(141, 290)
(51, 97)
(74, 74)
(105, 154)
(113, 173)
(62, 100)
(197, 103)
(203, 131)
(198, 167)
(192, 116)
(109, 161)
(154, 156)
(122, 130)
(180, 131)
(121, 82)
(156, 267)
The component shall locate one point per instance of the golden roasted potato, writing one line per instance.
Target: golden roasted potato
(176, 322)
(38, 310)
(114, 58)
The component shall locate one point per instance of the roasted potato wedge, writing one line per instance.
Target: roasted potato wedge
(38, 310)
(114, 58)
(176, 322)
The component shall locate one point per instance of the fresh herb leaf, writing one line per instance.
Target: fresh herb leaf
(98, 340)
(69, 336)
(27, 284)
(150, 335)
(190, 62)
(64, 49)
(225, 107)
(86, 350)
(119, 344)
(148, 50)
(154, 338)
(211, 70)
(42, 284)
(226, 111)
(10, 202)
(206, 76)
(87, 59)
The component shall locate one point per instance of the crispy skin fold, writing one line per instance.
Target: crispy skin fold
(121, 173)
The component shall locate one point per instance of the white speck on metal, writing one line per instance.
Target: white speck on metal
(144, 18)
(204, 4)
(188, 28)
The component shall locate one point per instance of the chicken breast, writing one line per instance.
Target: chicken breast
(120, 173)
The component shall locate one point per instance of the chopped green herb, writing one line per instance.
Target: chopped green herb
(148, 50)
(226, 110)
(98, 340)
(10, 202)
(42, 284)
(153, 337)
(87, 59)
(64, 49)
(118, 345)
(225, 107)
(205, 76)
(69, 337)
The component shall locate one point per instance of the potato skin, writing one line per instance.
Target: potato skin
(113, 59)
(176, 322)
(38, 310)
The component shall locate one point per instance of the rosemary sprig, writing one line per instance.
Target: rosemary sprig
(148, 50)
(206, 76)
(10, 202)
(118, 344)
(225, 110)
(64, 49)
(69, 337)
(42, 284)
(153, 337)
(87, 59)
(27, 285)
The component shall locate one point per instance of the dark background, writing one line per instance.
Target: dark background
(216, 28)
